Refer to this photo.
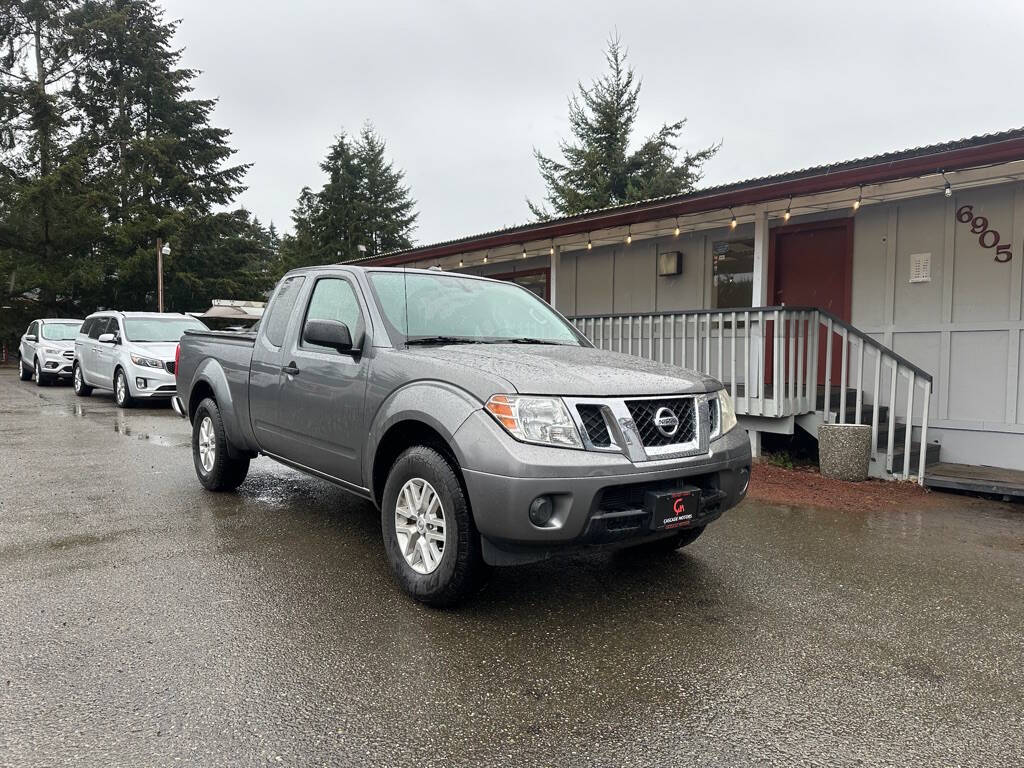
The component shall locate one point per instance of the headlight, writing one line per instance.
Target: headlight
(542, 420)
(726, 414)
(146, 362)
(51, 351)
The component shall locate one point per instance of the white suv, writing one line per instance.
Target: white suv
(47, 349)
(131, 353)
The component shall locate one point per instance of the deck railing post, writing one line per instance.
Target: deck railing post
(746, 359)
(828, 371)
(860, 382)
(732, 358)
(876, 396)
(843, 373)
(890, 445)
(924, 431)
(908, 437)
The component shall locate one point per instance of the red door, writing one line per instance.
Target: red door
(811, 265)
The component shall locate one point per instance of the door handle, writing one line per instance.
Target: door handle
(291, 369)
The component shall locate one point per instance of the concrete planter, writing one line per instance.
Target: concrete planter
(844, 451)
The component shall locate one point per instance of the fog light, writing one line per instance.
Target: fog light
(140, 383)
(51, 365)
(541, 511)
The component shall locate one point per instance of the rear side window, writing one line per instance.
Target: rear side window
(280, 312)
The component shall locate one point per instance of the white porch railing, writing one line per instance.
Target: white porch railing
(777, 362)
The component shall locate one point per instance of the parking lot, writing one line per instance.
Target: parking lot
(148, 622)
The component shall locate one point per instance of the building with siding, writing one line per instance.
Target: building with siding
(898, 276)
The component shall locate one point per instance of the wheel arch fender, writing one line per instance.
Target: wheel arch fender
(210, 380)
(431, 409)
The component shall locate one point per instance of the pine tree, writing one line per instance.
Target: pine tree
(48, 225)
(364, 202)
(598, 170)
(388, 214)
(159, 164)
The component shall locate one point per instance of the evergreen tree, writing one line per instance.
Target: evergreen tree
(598, 170)
(48, 225)
(160, 166)
(388, 215)
(364, 202)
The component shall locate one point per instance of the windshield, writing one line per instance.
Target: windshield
(158, 328)
(447, 308)
(60, 331)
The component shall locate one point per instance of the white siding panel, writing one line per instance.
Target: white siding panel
(977, 375)
(981, 285)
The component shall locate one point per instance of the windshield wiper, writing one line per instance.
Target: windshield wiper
(441, 340)
(527, 340)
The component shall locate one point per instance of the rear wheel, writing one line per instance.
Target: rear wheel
(430, 541)
(122, 395)
(215, 468)
(25, 374)
(81, 388)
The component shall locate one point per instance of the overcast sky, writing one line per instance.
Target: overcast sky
(463, 91)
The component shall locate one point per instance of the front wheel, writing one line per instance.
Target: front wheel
(122, 394)
(81, 388)
(25, 374)
(430, 541)
(41, 378)
(216, 469)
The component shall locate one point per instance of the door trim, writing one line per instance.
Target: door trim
(846, 225)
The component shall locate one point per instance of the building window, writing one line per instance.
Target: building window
(733, 269)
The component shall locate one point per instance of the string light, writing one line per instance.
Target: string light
(551, 250)
(485, 256)
(590, 245)
(676, 232)
(787, 214)
(524, 251)
(733, 222)
(856, 203)
(629, 234)
(948, 189)
(460, 262)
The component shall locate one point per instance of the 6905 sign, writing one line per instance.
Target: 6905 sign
(987, 238)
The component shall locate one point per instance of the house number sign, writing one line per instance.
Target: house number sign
(987, 238)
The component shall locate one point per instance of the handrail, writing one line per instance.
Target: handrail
(873, 343)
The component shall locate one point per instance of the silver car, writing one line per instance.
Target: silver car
(130, 353)
(47, 349)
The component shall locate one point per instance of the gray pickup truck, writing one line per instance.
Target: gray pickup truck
(482, 424)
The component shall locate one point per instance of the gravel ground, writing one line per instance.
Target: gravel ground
(144, 621)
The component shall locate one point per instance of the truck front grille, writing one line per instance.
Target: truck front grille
(592, 416)
(645, 414)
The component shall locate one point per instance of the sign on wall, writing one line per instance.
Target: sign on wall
(987, 238)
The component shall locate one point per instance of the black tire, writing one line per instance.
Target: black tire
(122, 396)
(460, 567)
(78, 382)
(225, 473)
(41, 378)
(670, 544)
(25, 374)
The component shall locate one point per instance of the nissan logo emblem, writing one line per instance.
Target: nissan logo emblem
(666, 421)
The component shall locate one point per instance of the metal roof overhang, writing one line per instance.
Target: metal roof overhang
(983, 151)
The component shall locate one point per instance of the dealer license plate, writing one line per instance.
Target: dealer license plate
(673, 509)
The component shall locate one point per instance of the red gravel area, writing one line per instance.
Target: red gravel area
(804, 487)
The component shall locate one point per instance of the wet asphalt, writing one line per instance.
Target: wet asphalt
(144, 621)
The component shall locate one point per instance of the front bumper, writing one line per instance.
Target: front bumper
(147, 382)
(56, 366)
(597, 497)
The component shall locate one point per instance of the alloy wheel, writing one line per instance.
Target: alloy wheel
(39, 373)
(420, 525)
(78, 379)
(121, 386)
(207, 444)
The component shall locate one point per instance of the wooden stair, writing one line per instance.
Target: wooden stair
(975, 479)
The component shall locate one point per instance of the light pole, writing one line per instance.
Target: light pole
(162, 249)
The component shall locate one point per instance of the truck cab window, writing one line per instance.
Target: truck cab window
(334, 299)
(280, 311)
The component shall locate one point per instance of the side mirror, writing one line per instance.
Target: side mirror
(31, 337)
(107, 338)
(328, 333)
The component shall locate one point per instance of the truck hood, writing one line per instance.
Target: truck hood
(537, 369)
